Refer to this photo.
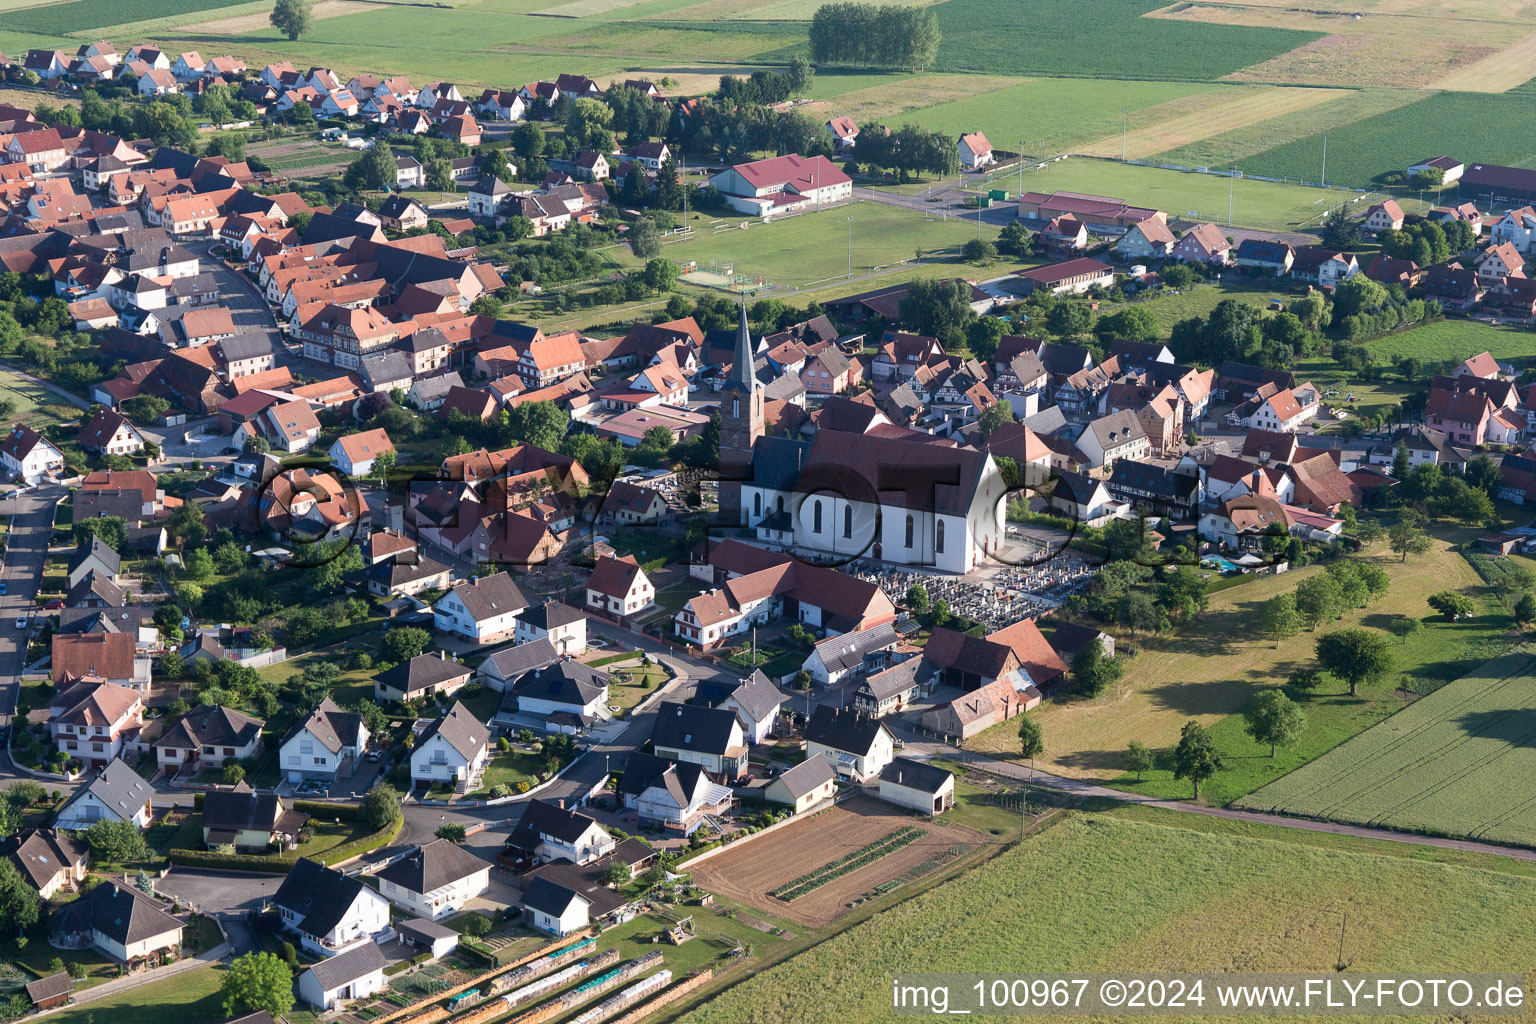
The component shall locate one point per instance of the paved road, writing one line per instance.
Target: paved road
(247, 306)
(26, 548)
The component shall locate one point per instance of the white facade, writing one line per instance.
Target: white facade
(919, 800)
(324, 999)
(572, 920)
(43, 459)
(368, 915)
(305, 757)
(85, 810)
(450, 616)
(440, 902)
(856, 765)
(437, 760)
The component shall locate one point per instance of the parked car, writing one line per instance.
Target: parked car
(21, 622)
(2, 588)
(374, 756)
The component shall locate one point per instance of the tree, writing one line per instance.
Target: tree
(1525, 609)
(617, 874)
(402, 643)
(1138, 758)
(373, 169)
(476, 926)
(1407, 537)
(1482, 473)
(984, 336)
(233, 773)
(373, 716)
(1275, 719)
(1339, 230)
(1133, 323)
(452, 831)
(801, 74)
(1195, 757)
(660, 274)
(1014, 239)
(644, 239)
(1304, 680)
(1068, 319)
(1355, 656)
(1319, 600)
(20, 905)
(541, 424)
(1280, 618)
(1031, 740)
(995, 416)
(917, 600)
(939, 309)
(1092, 671)
(230, 146)
(527, 140)
(1452, 605)
(146, 408)
(115, 842)
(978, 250)
(110, 530)
(440, 175)
(1404, 626)
(255, 982)
(381, 806)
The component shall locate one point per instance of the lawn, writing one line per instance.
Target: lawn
(33, 404)
(1211, 670)
(716, 934)
(189, 998)
(351, 686)
(1110, 893)
(1040, 37)
(509, 769)
(1442, 765)
(1267, 205)
(85, 15)
(38, 954)
(630, 682)
(814, 247)
(1168, 309)
(1487, 127)
(1448, 342)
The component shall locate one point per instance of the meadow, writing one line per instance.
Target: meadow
(1146, 893)
(1443, 764)
(1211, 670)
(1454, 339)
(1492, 128)
(1041, 37)
(33, 404)
(1184, 194)
(813, 247)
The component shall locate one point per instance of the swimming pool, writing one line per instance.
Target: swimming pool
(1218, 562)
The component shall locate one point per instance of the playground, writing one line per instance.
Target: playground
(721, 274)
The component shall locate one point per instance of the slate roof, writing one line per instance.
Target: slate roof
(41, 853)
(758, 696)
(491, 596)
(516, 661)
(461, 729)
(550, 897)
(117, 911)
(433, 866)
(241, 810)
(842, 729)
(918, 775)
(101, 551)
(565, 682)
(51, 987)
(213, 726)
(552, 615)
(119, 788)
(545, 818)
(420, 672)
(318, 895)
(333, 727)
(694, 728)
(358, 962)
(804, 777)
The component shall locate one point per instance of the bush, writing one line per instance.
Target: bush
(286, 951)
(476, 925)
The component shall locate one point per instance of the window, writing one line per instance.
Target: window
(847, 520)
(757, 504)
(938, 536)
(910, 526)
(736, 408)
(816, 516)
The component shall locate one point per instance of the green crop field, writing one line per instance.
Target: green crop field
(1444, 764)
(85, 15)
(1043, 37)
(1051, 115)
(1144, 893)
(1493, 128)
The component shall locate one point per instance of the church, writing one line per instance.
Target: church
(847, 495)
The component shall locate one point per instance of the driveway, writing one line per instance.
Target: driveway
(226, 895)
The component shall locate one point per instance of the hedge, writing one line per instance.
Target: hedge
(477, 951)
(282, 863)
(313, 808)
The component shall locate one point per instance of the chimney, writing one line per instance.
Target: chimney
(560, 803)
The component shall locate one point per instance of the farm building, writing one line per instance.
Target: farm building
(921, 787)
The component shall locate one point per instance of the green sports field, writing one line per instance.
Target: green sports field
(1447, 764)
(1146, 893)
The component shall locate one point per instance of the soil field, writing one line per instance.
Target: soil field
(255, 22)
(748, 873)
(1499, 72)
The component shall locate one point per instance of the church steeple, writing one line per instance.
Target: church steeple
(743, 371)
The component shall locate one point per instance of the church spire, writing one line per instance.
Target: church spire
(743, 370)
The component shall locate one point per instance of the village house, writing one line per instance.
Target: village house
(1203, 243)
(327, 745)
(119, 921)
(355, 974)
(435, 880)
(806, 785)
(756, 702)
(207, 736)
(426, 675)
(618, 588)
(709, 737)
(48, 859)
(917, 786)
(674, 798)
(549, 832)
(975, 152)
(331, 912)
(116, 794)
(1070, 277)
(782, 184)
(856, 745)
(566, 696)
(484, 610)
(453, 748)
(1384, 216)
(557, 622)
